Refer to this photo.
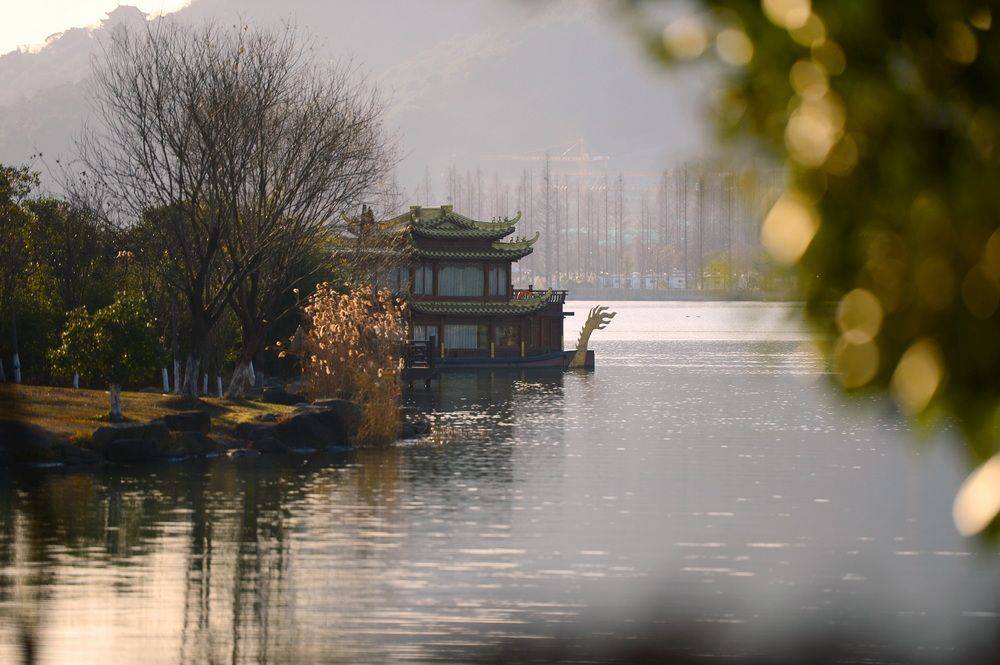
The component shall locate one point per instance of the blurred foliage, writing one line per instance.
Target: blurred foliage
(885, 115)
(115, 344)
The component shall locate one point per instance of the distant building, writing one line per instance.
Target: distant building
(459, 289)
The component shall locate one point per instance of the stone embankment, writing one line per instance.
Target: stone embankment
(323, 425)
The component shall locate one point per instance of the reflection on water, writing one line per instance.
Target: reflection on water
(698, 484)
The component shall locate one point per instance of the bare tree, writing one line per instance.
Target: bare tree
(236, 148)
(321, 151)
(370, 245)
(257, 300)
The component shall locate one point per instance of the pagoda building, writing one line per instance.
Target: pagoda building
(462, 303)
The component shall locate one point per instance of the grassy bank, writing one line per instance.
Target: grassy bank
(66, 411)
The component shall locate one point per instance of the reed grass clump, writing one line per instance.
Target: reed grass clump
(353, 346)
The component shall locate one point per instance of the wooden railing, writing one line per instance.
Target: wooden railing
(558, 297)
(419, 354)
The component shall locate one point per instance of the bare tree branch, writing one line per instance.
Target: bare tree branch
(237, 150)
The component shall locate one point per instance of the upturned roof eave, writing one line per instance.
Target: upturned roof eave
(473, 254)
(509, 308)
(418, 218)
(460, 234)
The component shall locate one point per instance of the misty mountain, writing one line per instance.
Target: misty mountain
(464, 79)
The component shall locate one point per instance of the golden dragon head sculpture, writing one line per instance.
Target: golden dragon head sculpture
(598, 319)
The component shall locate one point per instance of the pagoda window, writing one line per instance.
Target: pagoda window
(460, 280)
(424, 333)
(498, 280)
(461, 336)
(423, 280)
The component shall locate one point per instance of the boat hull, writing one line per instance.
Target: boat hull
(558, 359)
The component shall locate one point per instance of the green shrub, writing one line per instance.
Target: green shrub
(115, 344)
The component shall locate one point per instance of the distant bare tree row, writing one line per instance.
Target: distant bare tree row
(698, 223)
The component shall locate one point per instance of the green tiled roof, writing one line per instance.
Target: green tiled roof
(474, 254)
(517, 249)
(511, 307)
(517, 243)
(443, 222)
(447, 233)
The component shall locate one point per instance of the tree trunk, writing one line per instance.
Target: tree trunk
(175, 346)
(204, 383)
(166, 382)
(76, 379)
(190, 387)
(244, 377)
(115, 414)
(218, 385)
(241, 380)
(3, 374)
(13, 343)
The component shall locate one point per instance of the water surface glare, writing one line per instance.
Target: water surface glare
(703, 485)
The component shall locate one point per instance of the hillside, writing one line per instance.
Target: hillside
(465, 79)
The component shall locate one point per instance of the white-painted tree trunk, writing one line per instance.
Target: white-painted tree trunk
(240, 381)
(166, 381)
(204, 383)
(76, 379)
(218, 385)
(253, 375)
(177, 376)
(116, 402)
(190, 387)
(17, 368)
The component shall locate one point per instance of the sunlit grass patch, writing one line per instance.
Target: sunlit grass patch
(75, 413)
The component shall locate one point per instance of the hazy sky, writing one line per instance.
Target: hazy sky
(29, 22)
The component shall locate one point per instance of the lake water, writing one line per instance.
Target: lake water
(702, 493)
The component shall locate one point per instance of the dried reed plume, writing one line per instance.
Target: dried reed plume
(353, 347)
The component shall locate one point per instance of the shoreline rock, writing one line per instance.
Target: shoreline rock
(324, 425)
(153, 433)
(187, 421)
(274, 395)
(30, 445)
